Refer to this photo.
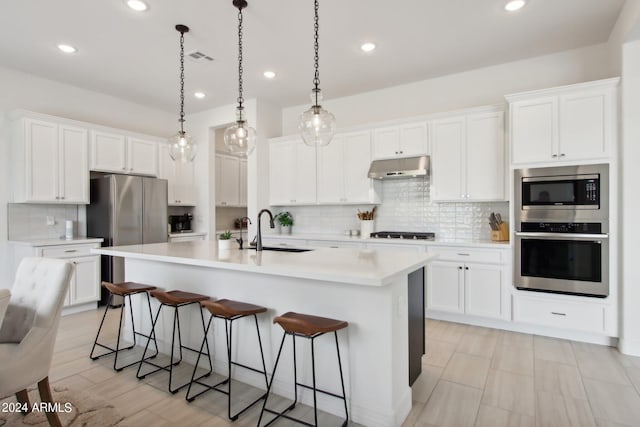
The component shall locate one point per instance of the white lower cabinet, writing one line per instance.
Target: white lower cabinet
(84, 285)
(471, 282)
(555, 312)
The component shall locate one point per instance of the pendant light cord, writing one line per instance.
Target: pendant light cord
(240, 69)
(181, 82)
(316, 57)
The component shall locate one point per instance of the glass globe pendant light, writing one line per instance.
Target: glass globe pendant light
(182, 146)
(316, 125)
(240, 138)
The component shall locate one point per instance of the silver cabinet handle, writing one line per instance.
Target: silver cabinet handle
(558, 314)
(464, 254)
(124, 169)
(554, 155)
(71, 250)
(562, 155)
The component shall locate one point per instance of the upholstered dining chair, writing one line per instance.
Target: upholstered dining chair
(5, 295)
(28, 332)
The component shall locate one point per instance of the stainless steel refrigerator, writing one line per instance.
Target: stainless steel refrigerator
(126, 210)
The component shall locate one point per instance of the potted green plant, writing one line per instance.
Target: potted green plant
(285, 221)
(224, 241)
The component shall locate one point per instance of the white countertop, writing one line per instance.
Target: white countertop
(358, 239)
(352, 266)
(57, 242)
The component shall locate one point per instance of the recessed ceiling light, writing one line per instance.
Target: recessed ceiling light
(368, 47)
(269, 74)
(514, 5)
(67, 48)
(137, 5)
(199, 95)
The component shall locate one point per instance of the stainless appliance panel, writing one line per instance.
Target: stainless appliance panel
(546, 213)
(554, 260)
(154, 208)
(126, 197)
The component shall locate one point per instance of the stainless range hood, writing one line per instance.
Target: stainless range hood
(407, 167)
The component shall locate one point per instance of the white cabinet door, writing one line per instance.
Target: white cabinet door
(305, 174)
(73, 164)
(108, 152)
(227, 185)
(168, 170)
(355, 166)
(445, 287)
(386, 142)
(186, 184)
(281, 173)
(142, 156)
(585, 125)
(534, 130)
(243, 183)
(332, 167)
(413, 139)
(448, 170)
(41, 162)
(85, 281)
(483, 290)
(485, 158)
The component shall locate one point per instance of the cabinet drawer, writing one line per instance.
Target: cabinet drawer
(66, 251)
(463, 254)
(582, 316)
(333, 244)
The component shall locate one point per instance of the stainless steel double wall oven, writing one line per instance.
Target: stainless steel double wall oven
(562, 230)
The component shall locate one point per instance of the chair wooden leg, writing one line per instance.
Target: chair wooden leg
(45, 396)
(23, 399)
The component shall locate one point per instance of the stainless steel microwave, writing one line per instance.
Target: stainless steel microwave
(563, 194)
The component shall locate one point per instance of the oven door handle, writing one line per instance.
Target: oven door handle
(564, 236)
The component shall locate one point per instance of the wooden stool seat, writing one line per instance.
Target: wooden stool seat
(307, 325)
(227, 308)
(175, 298)
(127, 288)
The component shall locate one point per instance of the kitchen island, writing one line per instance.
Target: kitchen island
(370, 289)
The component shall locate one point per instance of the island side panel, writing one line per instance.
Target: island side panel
(374, 348)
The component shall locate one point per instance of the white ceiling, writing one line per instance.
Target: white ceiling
(135, 55)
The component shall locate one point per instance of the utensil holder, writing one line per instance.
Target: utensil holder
(366, 228)
(501, 235)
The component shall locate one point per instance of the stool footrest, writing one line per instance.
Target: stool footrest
(320, 391)
(283, 414)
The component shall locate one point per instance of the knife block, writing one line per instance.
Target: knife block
(501, 235)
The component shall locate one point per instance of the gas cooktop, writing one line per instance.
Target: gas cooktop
(403, 235)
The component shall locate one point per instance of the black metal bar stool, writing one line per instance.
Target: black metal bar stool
(310, 327)
(124, 290)
(175, 299)
(229, 311)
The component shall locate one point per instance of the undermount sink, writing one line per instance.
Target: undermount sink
(281, 249)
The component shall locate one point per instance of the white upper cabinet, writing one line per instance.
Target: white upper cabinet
(570, 123)
(342, 170)
(142, 156)
(114, 152)
(243, 182)
(227, 180)
(409, 139)
(292, 173)
(231, 181)
(468, 160)
(180, 178)
(50, 162)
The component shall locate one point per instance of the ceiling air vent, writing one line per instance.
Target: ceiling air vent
(196, 55)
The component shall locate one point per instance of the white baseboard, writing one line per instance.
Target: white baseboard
(79, 308)
(629, 347)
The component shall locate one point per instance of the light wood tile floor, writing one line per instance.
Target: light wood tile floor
(471, 376)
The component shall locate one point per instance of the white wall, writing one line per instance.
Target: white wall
(630, 203)
(25, 91)
(472, 88)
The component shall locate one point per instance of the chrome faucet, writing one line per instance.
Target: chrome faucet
(259, 235)
(240, 241)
